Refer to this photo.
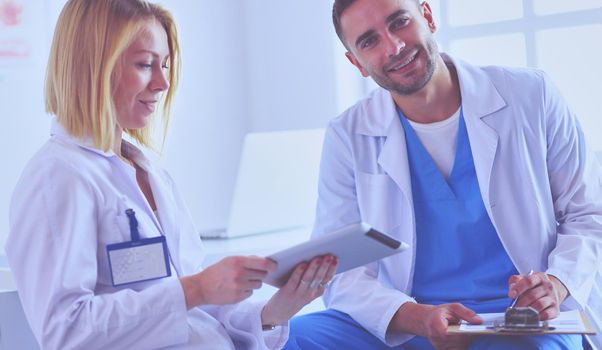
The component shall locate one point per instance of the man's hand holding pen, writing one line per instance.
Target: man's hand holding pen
(540, 291)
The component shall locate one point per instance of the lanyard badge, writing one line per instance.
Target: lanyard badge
(139, 259)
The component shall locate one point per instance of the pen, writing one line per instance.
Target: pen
(516, 299)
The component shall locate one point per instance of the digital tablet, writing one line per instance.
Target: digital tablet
(354, 245)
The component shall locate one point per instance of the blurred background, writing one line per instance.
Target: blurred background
(272, 65)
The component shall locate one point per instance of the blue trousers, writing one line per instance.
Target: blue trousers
(334, 330)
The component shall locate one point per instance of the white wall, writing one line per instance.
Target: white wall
(290, 64)
(209, 117)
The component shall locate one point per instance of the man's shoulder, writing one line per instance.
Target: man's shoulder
(512, 76)
(372, 111)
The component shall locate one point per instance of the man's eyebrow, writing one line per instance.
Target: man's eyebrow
(389, 19)
(395, 14)
(364, 36)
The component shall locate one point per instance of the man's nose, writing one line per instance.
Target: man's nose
(394, 44)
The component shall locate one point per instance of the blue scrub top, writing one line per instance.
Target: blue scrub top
(459, 256)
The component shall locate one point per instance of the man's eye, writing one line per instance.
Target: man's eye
(399, 23)
(368, 42)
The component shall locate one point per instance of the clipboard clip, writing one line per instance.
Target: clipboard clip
(521, 320)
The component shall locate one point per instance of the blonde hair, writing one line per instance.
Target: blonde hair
(89, 39)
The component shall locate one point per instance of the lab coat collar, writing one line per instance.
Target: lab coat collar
(127, 148)
(58, 131)
(480, 98)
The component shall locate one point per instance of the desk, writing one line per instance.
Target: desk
(260, 245)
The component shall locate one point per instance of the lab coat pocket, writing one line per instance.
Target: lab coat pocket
(380, 201)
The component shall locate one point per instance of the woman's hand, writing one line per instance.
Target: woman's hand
(228, 281)
(307, 282)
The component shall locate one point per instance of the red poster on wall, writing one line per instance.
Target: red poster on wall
(22, 34)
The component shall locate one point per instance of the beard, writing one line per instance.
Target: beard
(419, 80)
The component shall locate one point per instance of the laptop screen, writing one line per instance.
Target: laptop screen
(277, 181)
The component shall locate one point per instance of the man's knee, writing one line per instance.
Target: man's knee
(329, 330)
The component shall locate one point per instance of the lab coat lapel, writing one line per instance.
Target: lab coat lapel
(381, 119)
(394, 157)
(480, 102)
(164, 218)
(166, 215)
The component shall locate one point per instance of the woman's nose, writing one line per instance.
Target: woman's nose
(160, 81)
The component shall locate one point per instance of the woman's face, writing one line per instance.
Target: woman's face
(140, 77)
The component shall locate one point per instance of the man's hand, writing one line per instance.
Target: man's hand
(432, 321)
(540, 291)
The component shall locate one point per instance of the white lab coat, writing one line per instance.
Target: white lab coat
(540, 185)
(68, 205)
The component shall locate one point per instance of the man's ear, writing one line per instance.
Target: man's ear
(356, 63)
(427, 13)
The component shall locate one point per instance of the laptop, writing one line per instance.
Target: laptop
(277, 183)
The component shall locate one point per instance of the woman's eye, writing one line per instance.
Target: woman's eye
(145, 65)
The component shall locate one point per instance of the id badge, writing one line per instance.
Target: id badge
(138, 261)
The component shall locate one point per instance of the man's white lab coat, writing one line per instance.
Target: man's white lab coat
(539, 182)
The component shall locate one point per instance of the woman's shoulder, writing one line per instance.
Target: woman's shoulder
(61, 164)
(58, 156)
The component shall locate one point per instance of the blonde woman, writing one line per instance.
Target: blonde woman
(103, 250)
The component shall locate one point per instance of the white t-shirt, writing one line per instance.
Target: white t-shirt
(440, 140)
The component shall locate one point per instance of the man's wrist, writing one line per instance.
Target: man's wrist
(562, 292)
(409, 318)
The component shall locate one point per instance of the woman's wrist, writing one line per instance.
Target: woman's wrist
(268, 319)
(193, 293)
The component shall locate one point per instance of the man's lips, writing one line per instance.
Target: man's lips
(399, 64)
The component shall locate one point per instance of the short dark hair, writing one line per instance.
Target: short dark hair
(338, 8)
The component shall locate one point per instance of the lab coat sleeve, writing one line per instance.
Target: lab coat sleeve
(242, 321)
(357, 292)
(576, 189)
(52, 252)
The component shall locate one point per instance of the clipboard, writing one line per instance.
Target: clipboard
(569, 322)
(354, 245)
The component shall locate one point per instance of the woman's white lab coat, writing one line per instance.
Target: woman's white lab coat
(540, 185)
(68, 205)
